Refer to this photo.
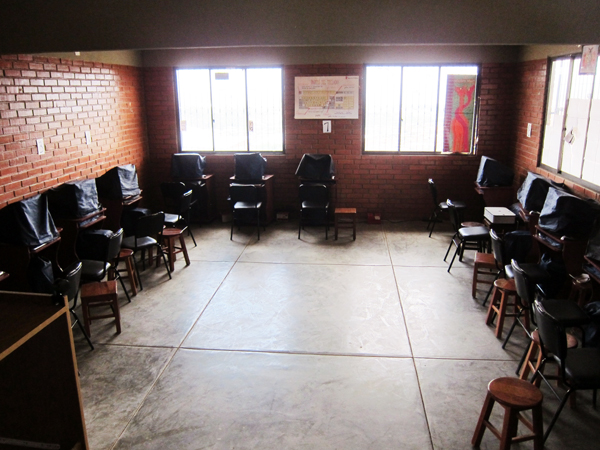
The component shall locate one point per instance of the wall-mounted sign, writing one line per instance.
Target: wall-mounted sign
(326, 97)
(589, 59)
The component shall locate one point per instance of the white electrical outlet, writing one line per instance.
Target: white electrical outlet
(41, 147)
(88, 137)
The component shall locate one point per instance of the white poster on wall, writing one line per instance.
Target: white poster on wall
(326, 97)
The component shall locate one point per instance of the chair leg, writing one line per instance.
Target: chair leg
(120, 278)
(258, 223)
(300, 225)
(449, 247)
(78, 322)
(160, 251)
(556, 414)
(458, 249)
(190, 234)
(232, 224)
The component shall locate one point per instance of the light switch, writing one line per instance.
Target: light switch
(528, 130)
(327, 126)
(41, 147)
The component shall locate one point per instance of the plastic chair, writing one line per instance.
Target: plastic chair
(245, 203)
(314, 205)
(579, 368)
(148, 235)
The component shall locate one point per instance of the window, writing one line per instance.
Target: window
(230, 110)
(427, 109)
(571, 142)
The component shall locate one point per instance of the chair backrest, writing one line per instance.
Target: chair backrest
(173, 190)
(552, 335)
(314, 192)
(498, 249)
(73, 278)
(114, 246)
(525, 288)
(244, 193)
(184, 203)
(433, 190)
(151, 225)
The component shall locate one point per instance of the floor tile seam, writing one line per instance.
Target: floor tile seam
(421, 396)
(168, 362)
(296, 352)
(456, 358)
(111, 344)
(312, 264)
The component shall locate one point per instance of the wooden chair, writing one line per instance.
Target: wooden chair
(484, 264)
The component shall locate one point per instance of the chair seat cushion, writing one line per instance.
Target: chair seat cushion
(307, 204)
(582, 368)
(568, 313)
(143, 242)
(473, 233)
(247, 205)
(93, 270)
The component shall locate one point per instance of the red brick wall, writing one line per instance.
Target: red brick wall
(394, 185)
(530, 84)
(58, 100)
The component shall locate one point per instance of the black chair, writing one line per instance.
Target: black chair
(439, 207)
(68, 285)
(96, 270)
(148, 235)
(579, 368)
(566, 312)
(178, 204)
(246, 201)
(503, 258)
(465, 238)
(314, 206)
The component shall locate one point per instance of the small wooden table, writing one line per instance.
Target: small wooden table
(345, 218)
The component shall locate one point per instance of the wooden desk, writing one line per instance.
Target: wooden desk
(40, 398)
(268, 207)
(71, 228)
(114, 210)
(571, 251)
(496, 195)
(15, 259)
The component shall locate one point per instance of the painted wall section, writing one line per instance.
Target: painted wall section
(59, 100)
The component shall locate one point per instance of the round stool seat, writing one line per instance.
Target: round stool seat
(172, 232)
(515, 393)
(506, 284)
(125, 253)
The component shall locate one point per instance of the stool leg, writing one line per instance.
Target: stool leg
(354, 228)
(501, 314)
(85, 309)
(488, 405)
(509, 429)
(171, 252)
(491, 311)
(131, 274)
(184, 250)
(117, 313)
(475, 273)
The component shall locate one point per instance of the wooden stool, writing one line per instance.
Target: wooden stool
(126, 255)
(503, 289)
(345, 218)
(169, 236)
(514, 396)
(484, 262)
(100, 293)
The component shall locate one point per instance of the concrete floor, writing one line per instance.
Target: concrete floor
(305, 344)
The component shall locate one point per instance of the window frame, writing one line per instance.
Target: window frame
(558, 171)
(435, 152)
(230, 152)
